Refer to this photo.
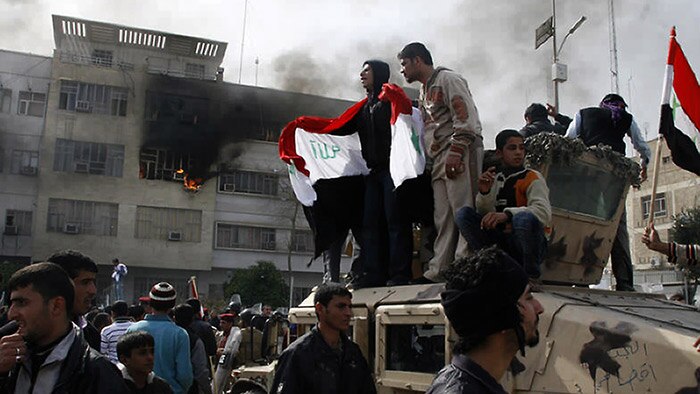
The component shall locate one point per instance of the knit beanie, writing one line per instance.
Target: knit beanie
(162, 296)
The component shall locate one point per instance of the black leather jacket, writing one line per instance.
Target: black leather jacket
(84, 371)
(464, 376)
(310, 366)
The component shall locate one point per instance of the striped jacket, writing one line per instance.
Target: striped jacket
(110, 335)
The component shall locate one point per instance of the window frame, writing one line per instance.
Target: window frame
(260, 238)
(24, 103)
(22, 158)
(659, 211)
(88, 215)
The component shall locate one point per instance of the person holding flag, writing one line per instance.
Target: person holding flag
(379, 138)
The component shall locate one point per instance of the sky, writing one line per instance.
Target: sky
(318, 46)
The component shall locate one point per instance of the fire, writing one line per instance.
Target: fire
(190, 184)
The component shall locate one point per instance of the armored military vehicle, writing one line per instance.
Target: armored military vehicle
(591, 341)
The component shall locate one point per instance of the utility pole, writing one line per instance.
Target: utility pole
(555, 55)
(240, 65)
(613, 48)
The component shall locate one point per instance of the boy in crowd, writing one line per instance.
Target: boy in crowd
(135, 351)
(512, 207)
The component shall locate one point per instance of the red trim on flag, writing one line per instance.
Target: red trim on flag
(685, 83)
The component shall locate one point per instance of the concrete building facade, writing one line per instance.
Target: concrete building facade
(134, 115)
(24, 86)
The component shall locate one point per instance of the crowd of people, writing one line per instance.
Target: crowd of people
(63, 343)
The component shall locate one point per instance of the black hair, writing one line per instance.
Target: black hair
(503, 137)
(195, 304)
(325, 292)
(469, 272)
(47, 279)
(133, 340)
(136, 311)
(536, 111)
(101, 320)
(184, 315)
(73, 262)
(414, 50)
(120, 308)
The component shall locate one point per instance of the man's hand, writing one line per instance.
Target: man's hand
(493, 219)
(551, 110)
(486, 180)
(453, 163)
(697, 344)
(12, 352)
(643, 173)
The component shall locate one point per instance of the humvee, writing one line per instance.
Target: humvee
(590, 340)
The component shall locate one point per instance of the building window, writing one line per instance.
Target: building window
(88, 157)
(24, 162)
(303, 241)
(82, 217)
(92, 98)
(194, 70)
(163, 164)
(5, 100)
(102, 58)
(18, 222)
(31, 104)
(249, 182)
(659, 205)
(176, 109)
(168, 224)
(231, 236)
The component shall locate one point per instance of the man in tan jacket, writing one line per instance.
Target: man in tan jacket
(454, 143)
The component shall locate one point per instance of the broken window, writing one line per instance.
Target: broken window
(91, 98)
(194, 71)
(88, 157)
(31, 103)
(179, 109)
(415, 347)
(249, 182)
(168, 224)
(102, 57)
(231, 236)
(164, 164)
(24, 162)
(82, 217)
(5, 100)
(18, 222)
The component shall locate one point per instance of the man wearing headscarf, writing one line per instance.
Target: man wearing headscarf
(608, 124)
(489, 304)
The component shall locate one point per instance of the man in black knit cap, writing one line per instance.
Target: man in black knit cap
(490, 307)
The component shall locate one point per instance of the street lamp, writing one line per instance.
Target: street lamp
(542, 34)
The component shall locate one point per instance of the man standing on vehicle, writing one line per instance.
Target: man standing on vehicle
(490, 306)
(607, 124)
(325, 360)
(453, 141)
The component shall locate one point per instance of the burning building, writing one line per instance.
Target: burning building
(148, 156)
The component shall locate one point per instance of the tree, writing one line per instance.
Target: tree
(686, 227)
(261, 282)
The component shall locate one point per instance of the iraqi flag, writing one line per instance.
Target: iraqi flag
(312, 152)
(681, 79)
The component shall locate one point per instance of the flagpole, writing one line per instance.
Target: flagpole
(665, 99)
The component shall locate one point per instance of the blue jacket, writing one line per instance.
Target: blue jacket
(172, 351)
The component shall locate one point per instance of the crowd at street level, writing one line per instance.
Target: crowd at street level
(63, 344)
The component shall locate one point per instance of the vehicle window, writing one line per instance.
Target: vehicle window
(415, 348)
(585, 189)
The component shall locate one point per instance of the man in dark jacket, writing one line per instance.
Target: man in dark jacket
(489, 305)
(325, 360)
(203, 329)
(608, 124)
(537, 121)
(49, 351)
(82, 271)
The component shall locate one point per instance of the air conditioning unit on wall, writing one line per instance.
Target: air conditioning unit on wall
(71, 228)
(229, 187)
(28, 170)
(174, 236)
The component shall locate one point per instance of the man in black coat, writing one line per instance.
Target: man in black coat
(325, 361)
(49, 351)
(490, 307)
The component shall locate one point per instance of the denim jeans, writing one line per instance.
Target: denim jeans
(526, 243)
